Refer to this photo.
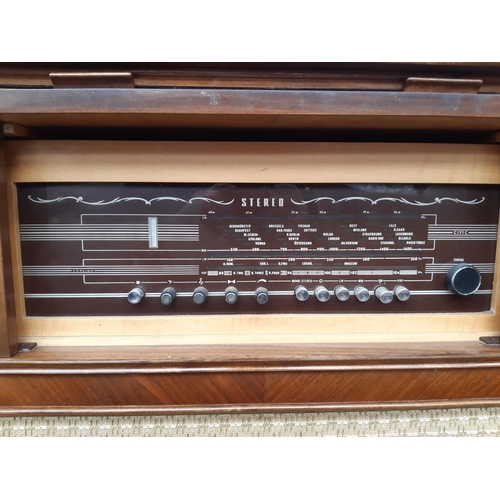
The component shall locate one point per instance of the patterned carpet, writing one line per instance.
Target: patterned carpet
(445, 422)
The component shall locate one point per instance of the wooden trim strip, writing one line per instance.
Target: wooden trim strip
(247, 102)
(323, 353)
(450, 85)
(19, 411)
(153, 370)
(92, 80)
(348, 76)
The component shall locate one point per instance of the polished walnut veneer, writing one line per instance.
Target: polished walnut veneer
(249, 378)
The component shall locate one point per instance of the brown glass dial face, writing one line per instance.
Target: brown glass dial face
(85, 247)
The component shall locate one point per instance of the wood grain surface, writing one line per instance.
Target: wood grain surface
(218, 100)
(51, 381)
(8, 327)
(447, 85)
(169, 111)
(270, 356)
(245, 102)
(103, 161)
(346, 76)
(100, 80)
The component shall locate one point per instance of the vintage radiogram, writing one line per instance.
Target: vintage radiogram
(248, 238)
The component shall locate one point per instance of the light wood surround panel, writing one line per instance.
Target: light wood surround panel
(80, 161)
(8, 331)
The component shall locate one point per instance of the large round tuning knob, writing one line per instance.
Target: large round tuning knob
(135, 295)
(463, 279)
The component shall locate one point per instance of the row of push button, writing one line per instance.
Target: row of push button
(261, 294)
(360, 292)
(199, 295)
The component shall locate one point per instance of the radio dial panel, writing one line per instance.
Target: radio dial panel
(133, 249)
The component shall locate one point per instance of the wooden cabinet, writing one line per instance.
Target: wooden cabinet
(253, 124)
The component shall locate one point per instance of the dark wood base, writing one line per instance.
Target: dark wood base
(183, 379)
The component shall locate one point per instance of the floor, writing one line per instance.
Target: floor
(465, 422)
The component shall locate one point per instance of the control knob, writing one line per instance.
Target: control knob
(463, 279)
(341, 292)
(384, 295)
(402, 293)
(301, 293)
(200, 295)
(262, 295)
(168, 296)
(231, 294)
(322, 294)
(362, 293)
(135, 295)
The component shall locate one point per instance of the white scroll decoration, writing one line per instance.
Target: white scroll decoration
(400, 200)
(79, 199)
